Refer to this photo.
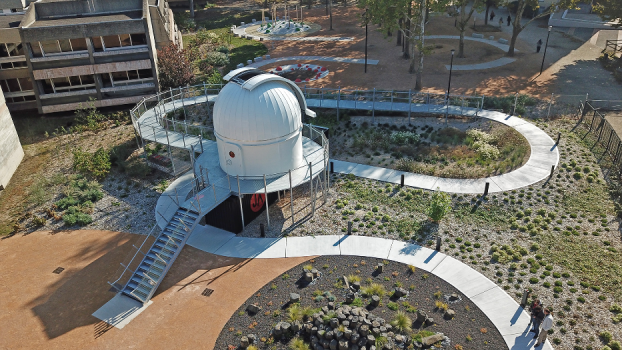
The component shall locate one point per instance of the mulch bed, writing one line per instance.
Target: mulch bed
(468, 323)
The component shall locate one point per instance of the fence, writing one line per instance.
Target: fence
(614, 45)
(602, 131)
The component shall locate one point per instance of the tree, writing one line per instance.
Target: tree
(464, 19)
(610, 10)
(440, 205)
(175, 69)
(517, 26)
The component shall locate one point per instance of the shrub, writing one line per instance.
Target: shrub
(393, 306)
(403, 137)
(486, 151)
(401, 322)
(374, 289)
(298, 344)
(217, 59)
(294, 313)
(78, 218)
(605, 336)
(93, 164)
(440, 205)
(615, 345)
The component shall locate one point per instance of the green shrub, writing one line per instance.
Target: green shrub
(440, 205)
(77, 218)
(217, 59)
(393, 306)
(95, 164)
(615, 345)
(605, 336)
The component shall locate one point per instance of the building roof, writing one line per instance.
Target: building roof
(86, 19)
(10, 21)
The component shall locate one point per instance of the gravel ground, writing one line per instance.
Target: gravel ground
(578, 239)
(469, 322)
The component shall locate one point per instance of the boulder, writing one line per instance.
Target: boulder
(429, 321)
(399, 292)
(371, 340)
(244, 342)
(334, 323)
(345, 281)
(308, 275)
(450, 314)
(295, 326)
(356, 285)
(315, 273)
(347, 333)
(380, 267)
(364, 330)
(253, 309)
(431, 340)
(331, 305)
(329, 335)
(503, 41)
(454, 297)
(421, 316)
(252, 339)
(333, 344)
(478, 36)
(285, 326)
(343, 345)
(492, 37)
(350, 298)
(375, 300)
(294, 298)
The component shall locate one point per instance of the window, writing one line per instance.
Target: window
(45, 48)
(139, 39)
(65, 84)
(50, 47)
(98, 45)
(11, 49)
(111, 41)
(16, 85)
(11, 65)
(79, 44)
(36, 49)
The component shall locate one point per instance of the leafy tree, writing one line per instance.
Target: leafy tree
(174, 67)
(408, 17)
(440, 205)
(517, 27)
(610, 10)
(463, 19)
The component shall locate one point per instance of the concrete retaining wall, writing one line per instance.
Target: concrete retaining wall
(11, 152)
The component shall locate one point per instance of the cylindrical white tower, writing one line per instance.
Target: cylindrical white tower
(258, 124)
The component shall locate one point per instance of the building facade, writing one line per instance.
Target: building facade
(11, 152)
(55, 55)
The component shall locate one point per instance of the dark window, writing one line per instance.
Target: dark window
(13, 85)
(60, 83)
(111, 41)
(30, 98)
(79, 44)
(145, 73)
(47, 86)
(8, 65)
(125, 40)
(87, 79)
(119, 76)
(20, 64)
(4, 86)
(97, 44)
(4, 51)
(65, 45)
(106, 80)
(133, 74)
(139, 39)
(26, 84)
(36, 49)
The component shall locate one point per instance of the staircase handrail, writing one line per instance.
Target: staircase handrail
(138, 250)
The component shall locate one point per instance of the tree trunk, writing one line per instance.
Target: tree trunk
(418, 80)
(309, 4)
(461, 44)
(407, 43)
(413, 60)
(486, 17)
(192, 8)
(399, 34)
(515, 32)
(326, 7)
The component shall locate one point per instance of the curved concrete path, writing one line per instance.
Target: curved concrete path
(505, 313)
(240, 31)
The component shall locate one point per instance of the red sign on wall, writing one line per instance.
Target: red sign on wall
(257, 201)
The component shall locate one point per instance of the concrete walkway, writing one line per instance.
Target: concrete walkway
(499, 62)
(544, 153)
(313, 58)
(509, 318)
(240, 31)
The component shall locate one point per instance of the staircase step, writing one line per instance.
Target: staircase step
(172, 236)
(157, 257)
(137, 294)
(163, 252)
(140, 286)
(175, 233)
(165, 242)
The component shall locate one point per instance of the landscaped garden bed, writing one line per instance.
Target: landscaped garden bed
(398, 308)
(460, 148)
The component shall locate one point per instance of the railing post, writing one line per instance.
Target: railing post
(410, 100)
(338, 100)
(265, 191)
(311, 188)
(172, 100)
(240, 198)
(291, 196)
(201, 142)
(155, 138)
(515, 101)
(373, 108)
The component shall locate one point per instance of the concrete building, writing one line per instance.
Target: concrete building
(11, 152)
(57, 54)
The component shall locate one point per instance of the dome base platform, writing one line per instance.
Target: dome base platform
(213, 175)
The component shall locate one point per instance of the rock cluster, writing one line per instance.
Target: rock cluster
(349, 328)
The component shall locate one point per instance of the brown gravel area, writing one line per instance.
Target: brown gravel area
(43, 310)
(469, 321)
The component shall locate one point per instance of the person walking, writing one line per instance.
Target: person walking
(538, 46)
(509, 20)
(538, 316)
(492, 15)
(531, 311)
(547, 324)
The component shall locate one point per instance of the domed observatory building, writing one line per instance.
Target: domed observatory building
(263, 147)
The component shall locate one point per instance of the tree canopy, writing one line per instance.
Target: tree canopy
(610, 10)
(175, 69)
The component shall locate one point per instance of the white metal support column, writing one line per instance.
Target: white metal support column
(265, 191)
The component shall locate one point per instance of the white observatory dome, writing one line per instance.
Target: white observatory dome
(258, 124)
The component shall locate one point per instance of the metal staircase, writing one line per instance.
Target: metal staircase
(158, 260)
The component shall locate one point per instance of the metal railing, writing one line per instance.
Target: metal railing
(606, 137)
(614, 45)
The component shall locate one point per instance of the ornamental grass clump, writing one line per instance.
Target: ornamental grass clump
(404, 137)
(402, 323)
(374, 289)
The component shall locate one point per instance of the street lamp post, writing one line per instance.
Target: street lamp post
(451, 67)
(545, 47)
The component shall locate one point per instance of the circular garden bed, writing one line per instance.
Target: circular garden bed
(348, 302)
(301, 73)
